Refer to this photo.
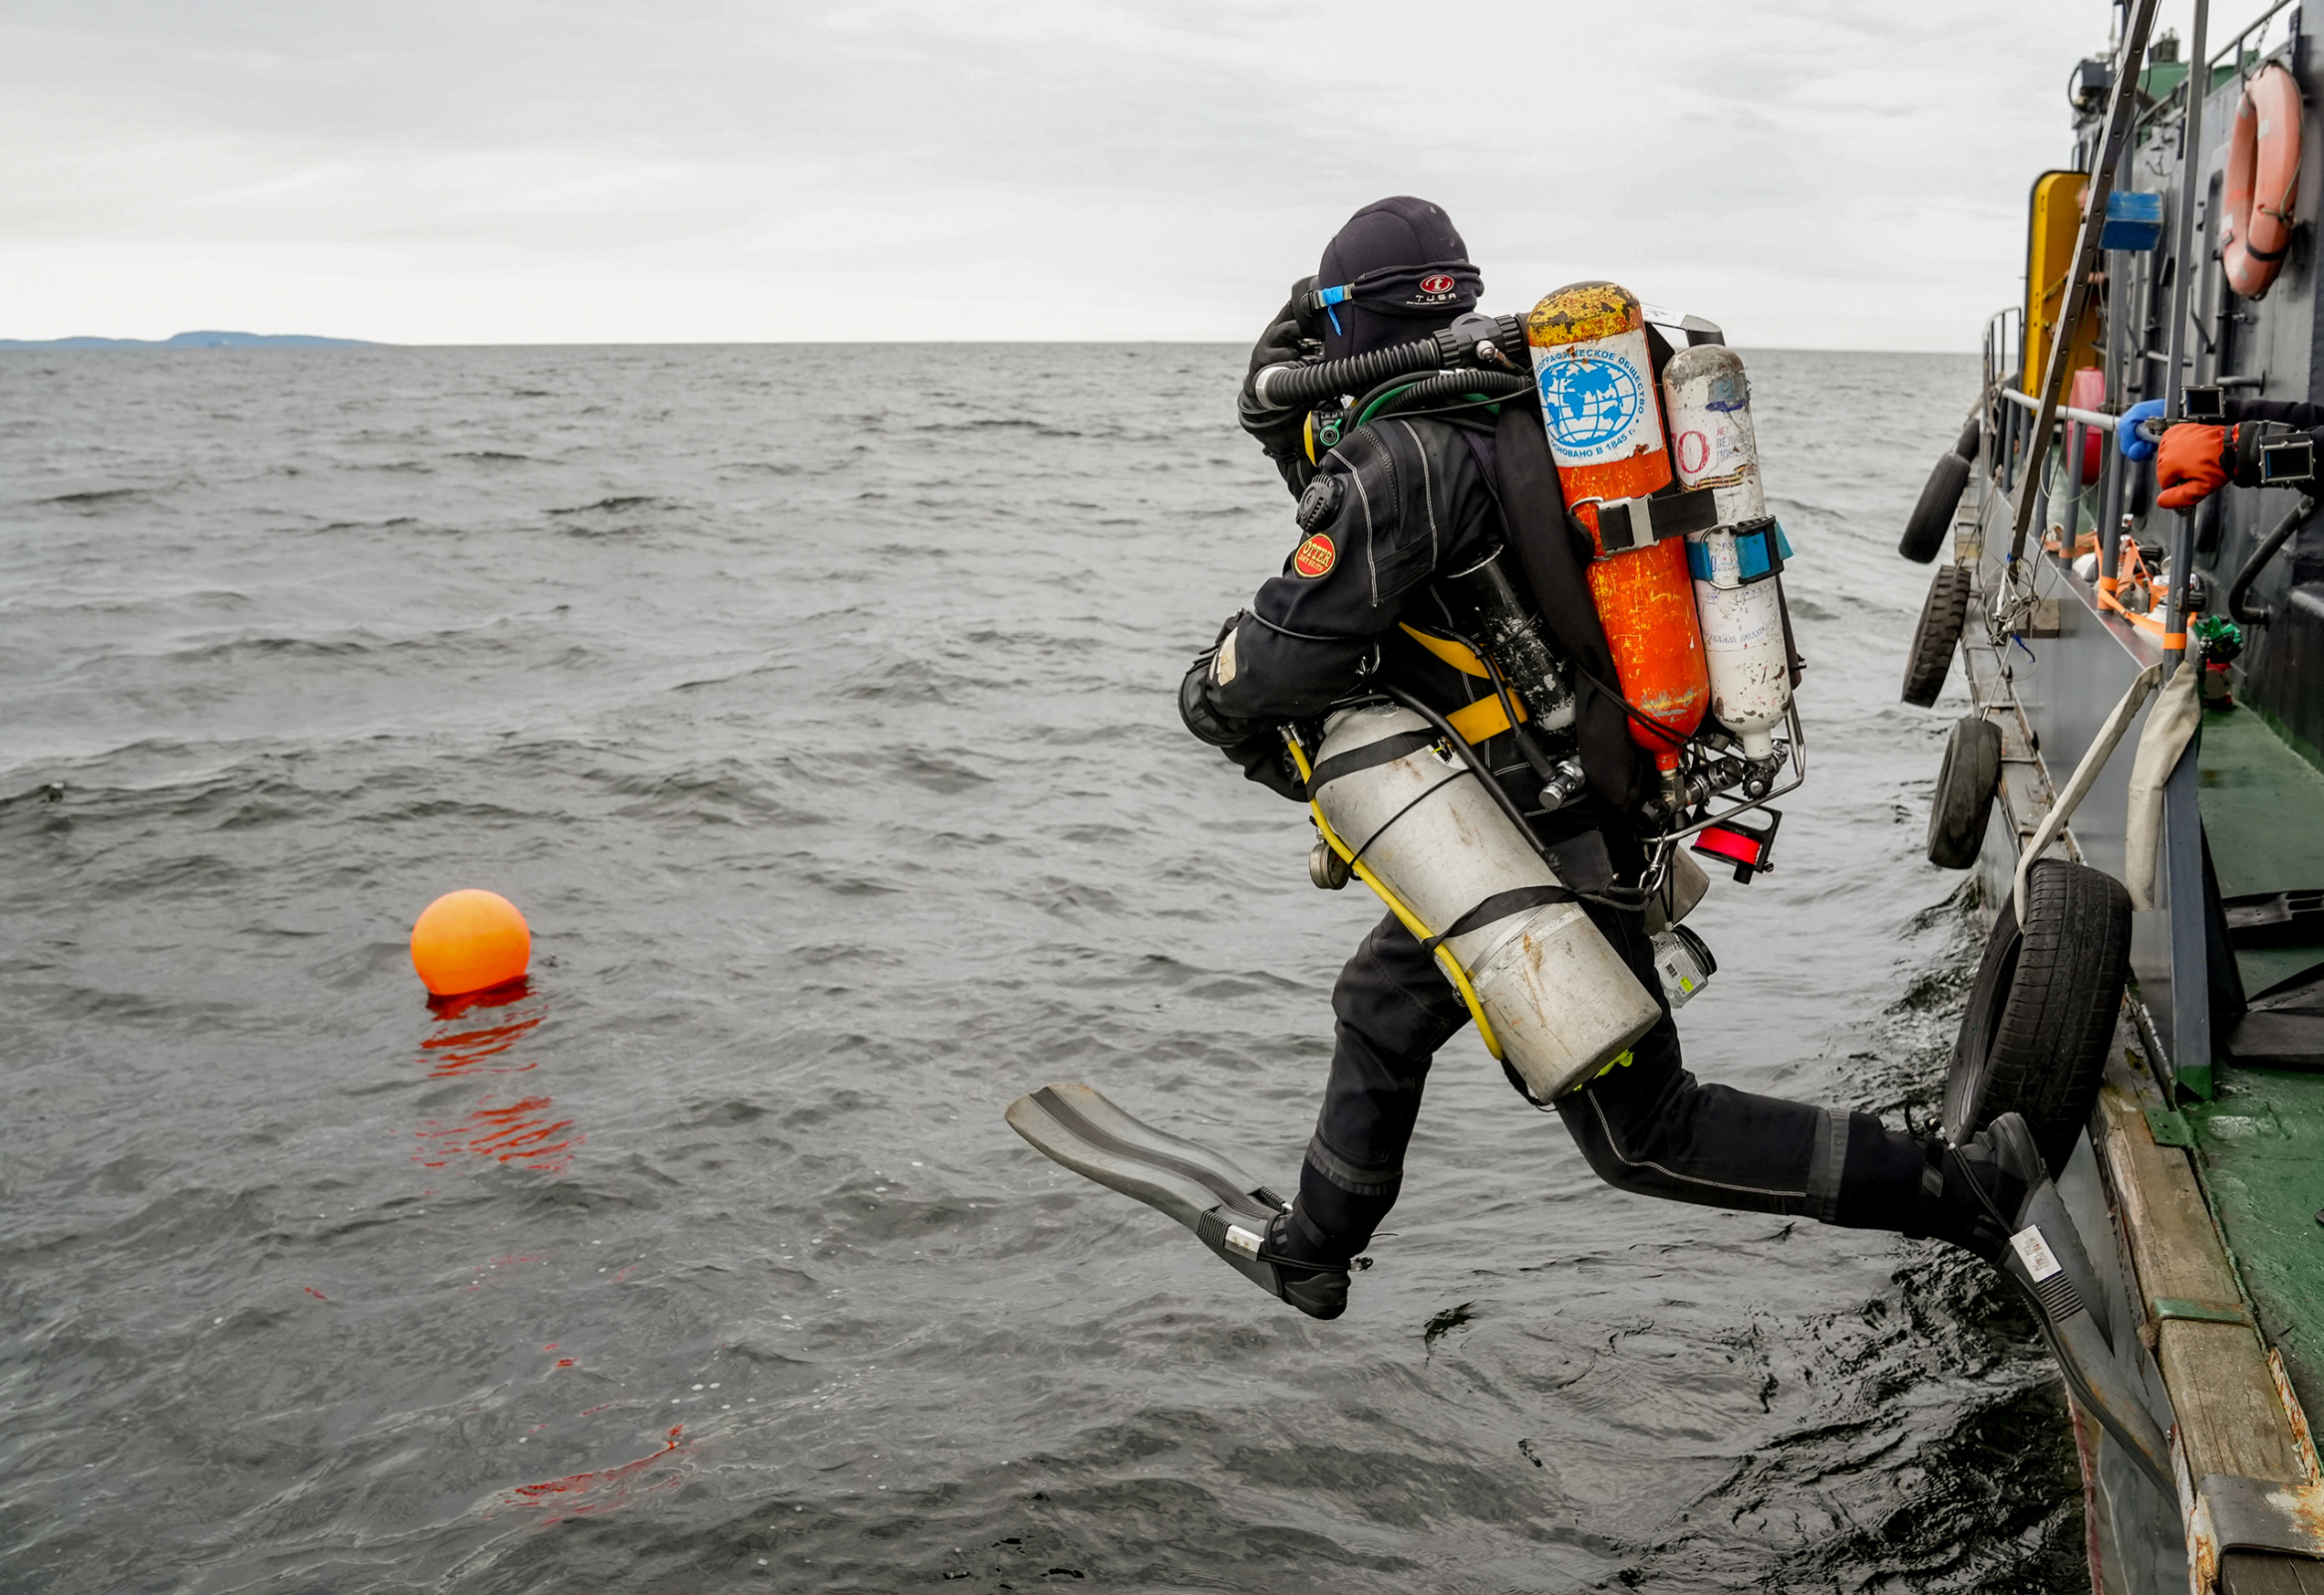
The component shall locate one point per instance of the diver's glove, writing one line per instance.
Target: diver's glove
(1266, 760)
(1202, 715)
(1256, 746)
(2193, 462)
(1281, 430)
(2126, 439)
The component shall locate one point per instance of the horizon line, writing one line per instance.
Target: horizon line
(90, 343)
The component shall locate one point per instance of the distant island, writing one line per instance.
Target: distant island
(196, 340)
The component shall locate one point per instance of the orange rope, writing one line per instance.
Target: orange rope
(2132, 573)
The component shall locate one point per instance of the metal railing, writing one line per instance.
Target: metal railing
(2095, 419)
(2234, 52)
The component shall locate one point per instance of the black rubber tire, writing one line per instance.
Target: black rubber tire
(1933, 517)
(2042, 1014)
(1964, 793)
(1972, 438)
(1934, 639)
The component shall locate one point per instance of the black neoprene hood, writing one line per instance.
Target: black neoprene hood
(1409, 273)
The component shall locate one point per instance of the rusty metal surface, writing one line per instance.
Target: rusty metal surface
(2234, 1513)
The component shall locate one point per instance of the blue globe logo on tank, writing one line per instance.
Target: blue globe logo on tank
(1590, 400)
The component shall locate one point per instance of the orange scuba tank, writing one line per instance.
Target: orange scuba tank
(1592, 362)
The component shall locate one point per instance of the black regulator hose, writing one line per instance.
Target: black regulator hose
(2293, 520)
(1473, 759)
(1623, 900)
(1493, 342)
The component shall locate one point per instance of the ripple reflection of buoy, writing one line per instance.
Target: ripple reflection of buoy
(484, 1050)
(525, 1133)
(478, 936)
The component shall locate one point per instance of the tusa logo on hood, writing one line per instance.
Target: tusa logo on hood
(1440, 283)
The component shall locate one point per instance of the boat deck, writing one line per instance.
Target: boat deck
(2214, 1201)
(2263, 810)
(2261, 1140)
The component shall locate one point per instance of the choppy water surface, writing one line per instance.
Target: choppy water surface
(817, 704)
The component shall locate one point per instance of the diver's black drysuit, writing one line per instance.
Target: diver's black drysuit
(1409, 499)
(2292, 412)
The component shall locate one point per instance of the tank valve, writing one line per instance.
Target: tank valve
(1675, 796)
(1326, 869)
(1563, 785)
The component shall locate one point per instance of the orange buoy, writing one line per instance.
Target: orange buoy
(467, 941)
(1596, 376)
(2264, 174)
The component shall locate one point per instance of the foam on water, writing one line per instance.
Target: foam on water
(817, 704)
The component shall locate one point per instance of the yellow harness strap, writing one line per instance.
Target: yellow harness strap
(1451, 652)
(1484, 718)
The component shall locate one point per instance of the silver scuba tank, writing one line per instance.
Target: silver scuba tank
(1735, 563)
(1559, 999)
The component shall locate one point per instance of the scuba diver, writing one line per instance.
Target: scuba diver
(1352, 671)
(1398, 513)
(1395, 506)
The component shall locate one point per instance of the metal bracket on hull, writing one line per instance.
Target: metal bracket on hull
(2234, 1513)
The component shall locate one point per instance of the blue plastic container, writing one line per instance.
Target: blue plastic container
(2133, 221)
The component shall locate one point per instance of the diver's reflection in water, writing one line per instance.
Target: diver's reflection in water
(479, 1035)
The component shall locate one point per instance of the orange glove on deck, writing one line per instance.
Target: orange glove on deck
(2190, 464)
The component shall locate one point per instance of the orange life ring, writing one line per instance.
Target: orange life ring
(2263, 165)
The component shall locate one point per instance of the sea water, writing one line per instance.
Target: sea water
(817, 704)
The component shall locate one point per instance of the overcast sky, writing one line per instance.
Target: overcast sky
(1834, 174)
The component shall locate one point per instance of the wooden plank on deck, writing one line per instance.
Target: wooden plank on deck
(2257, 1573)
(2229, 1418)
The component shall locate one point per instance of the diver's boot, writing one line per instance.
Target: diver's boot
(1972, 1193)
(1282, 1255)
(1305, 1275)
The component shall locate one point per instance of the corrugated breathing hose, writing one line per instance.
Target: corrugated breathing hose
(1287, 386)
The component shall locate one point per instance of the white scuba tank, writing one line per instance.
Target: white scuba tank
(1734, 564)
(1558, 994)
